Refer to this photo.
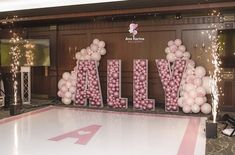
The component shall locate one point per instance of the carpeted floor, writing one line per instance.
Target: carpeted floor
(223, 145)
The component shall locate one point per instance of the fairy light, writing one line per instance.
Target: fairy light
(215, 60)
(29, 53)
(15, 54)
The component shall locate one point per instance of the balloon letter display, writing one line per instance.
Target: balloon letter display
(114, 85)
(140, 86)
(171, 81)
(88, 84)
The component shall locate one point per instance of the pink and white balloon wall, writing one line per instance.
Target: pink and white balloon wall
(67, 85)
(194, 85)
(114, 99)
(185, 84)
(140, 86)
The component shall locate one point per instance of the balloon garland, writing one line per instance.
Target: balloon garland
(67, 85)
(194, 85)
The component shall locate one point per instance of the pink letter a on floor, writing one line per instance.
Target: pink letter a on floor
(82, 135)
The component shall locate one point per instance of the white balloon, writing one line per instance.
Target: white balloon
(191, 64)
(178, 54)
(72, 90)
(66, 75)
(96, 56)
(83, 51)
(68, 84)
(171, 42)
(182, 48)
(94, 47)
(74, 82)
(171, 57)
(188, 87)
(195, 108)
(87, 57)
(190, 71)
(206, 108)
(199, 101)
(201, 91)
(102, 51)
(60, 93)
(192, 94)
(178, 42)
(189, 101)
(66, 101)
(200, 71)
(167, 50)
(101, 44)
(82, 58)
(78, 55)
(67, 95)
(206, 83)
(173, 48)
(186, 108)
(61, 83)
(180, 102)
(186, 55)
(197, 82)
(88, 51)
(64, 89)
(96, 41)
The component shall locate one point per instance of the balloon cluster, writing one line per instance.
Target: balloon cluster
(88, 84)
(171, 81)
(67, 85)
(140, 82)
(195, 84)
(92, 52)
(114, 85)
(176, 50)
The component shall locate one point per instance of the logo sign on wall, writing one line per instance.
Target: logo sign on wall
(133, 30)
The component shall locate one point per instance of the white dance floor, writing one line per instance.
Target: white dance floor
(73, 131)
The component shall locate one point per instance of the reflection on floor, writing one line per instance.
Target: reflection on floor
(90, 132)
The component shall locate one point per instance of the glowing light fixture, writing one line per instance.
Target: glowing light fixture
(14, 5)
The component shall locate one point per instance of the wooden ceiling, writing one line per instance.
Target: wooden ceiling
(123, 7)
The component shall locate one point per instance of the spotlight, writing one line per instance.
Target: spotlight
(178, 16)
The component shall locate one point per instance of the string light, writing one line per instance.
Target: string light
(15, 54)
(29, 53)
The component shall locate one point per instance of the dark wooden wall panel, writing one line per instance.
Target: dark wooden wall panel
(157, 32)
